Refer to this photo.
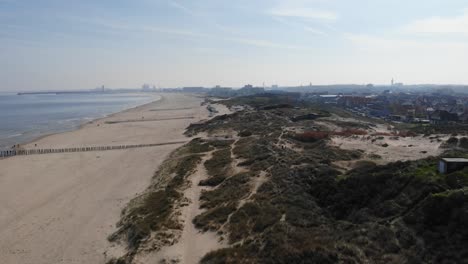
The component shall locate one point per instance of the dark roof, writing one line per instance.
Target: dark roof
(457, 160)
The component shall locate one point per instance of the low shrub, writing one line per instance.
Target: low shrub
(464, 142)
(452, 141)
(219, 162)
(212, 181)
(245, 133)
(311, 136)
(232, 189)
(214, 218)
(217, 167)
(385, 134)
(252, 218)
(199, 145)
(153, 211)
(406, 134)
(350, 132)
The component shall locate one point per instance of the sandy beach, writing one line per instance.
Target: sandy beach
(60, 208)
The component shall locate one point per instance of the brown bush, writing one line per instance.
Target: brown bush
(384, 134)
(406, 134)
(312, 136)
(350, 132)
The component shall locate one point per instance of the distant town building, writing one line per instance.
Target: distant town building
(147, 87)
(393, 83)
(329, 98)
(463, 117)
(221, 92)
(250, 90)
(194, 90)
(354, 101)
(442, 116)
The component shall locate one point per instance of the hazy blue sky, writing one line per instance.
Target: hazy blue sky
(71, 44)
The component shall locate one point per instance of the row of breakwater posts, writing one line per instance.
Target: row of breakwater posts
(148, 120)
(23, 152)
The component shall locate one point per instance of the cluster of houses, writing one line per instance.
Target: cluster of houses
(224, 92)
(412, 107)
(403, 107)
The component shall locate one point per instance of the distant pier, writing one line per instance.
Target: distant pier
(62, 92)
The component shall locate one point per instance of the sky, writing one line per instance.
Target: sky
(70, 44)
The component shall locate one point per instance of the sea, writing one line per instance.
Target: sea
(26, 117)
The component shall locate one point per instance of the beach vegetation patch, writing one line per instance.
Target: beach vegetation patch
(214, 218)
(154, 210)
(231, 190)
(218, 167)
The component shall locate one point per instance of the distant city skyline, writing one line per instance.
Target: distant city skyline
(66, 45)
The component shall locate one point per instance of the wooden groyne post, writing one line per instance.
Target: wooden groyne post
(23, 152)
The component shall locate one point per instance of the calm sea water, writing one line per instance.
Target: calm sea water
(25, 117)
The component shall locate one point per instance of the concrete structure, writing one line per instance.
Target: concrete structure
(221, 92)
(194, 90)
(449, 165)
(250, 90)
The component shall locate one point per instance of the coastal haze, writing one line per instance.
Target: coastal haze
(49, 45)
(217, 131)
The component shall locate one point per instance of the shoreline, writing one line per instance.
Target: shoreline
(83, 124)
(160, 100)
(61, 207)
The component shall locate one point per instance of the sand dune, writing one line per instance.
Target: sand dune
(60, 208)
(193, 243)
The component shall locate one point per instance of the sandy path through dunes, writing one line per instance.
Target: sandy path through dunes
(193, 244)
(60, 208)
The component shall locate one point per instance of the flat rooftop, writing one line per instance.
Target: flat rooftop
(455, 160)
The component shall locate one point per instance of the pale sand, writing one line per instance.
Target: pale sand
(193, 244)
(403, 148)
(60, 208)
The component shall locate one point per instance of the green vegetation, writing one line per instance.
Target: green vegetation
(429, 129)
(117, 261)
(308, 212)
(451, 143)
(303, 210)
(458, 179)
(218, 167)
(233, 189)
(222, 201)
(425, 170)
(463, 143)
(213, 218)
(253, 217)
(245, 133)
(199, 146)
(153, 211)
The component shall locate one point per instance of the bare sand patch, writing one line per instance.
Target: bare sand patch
(390, 149)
